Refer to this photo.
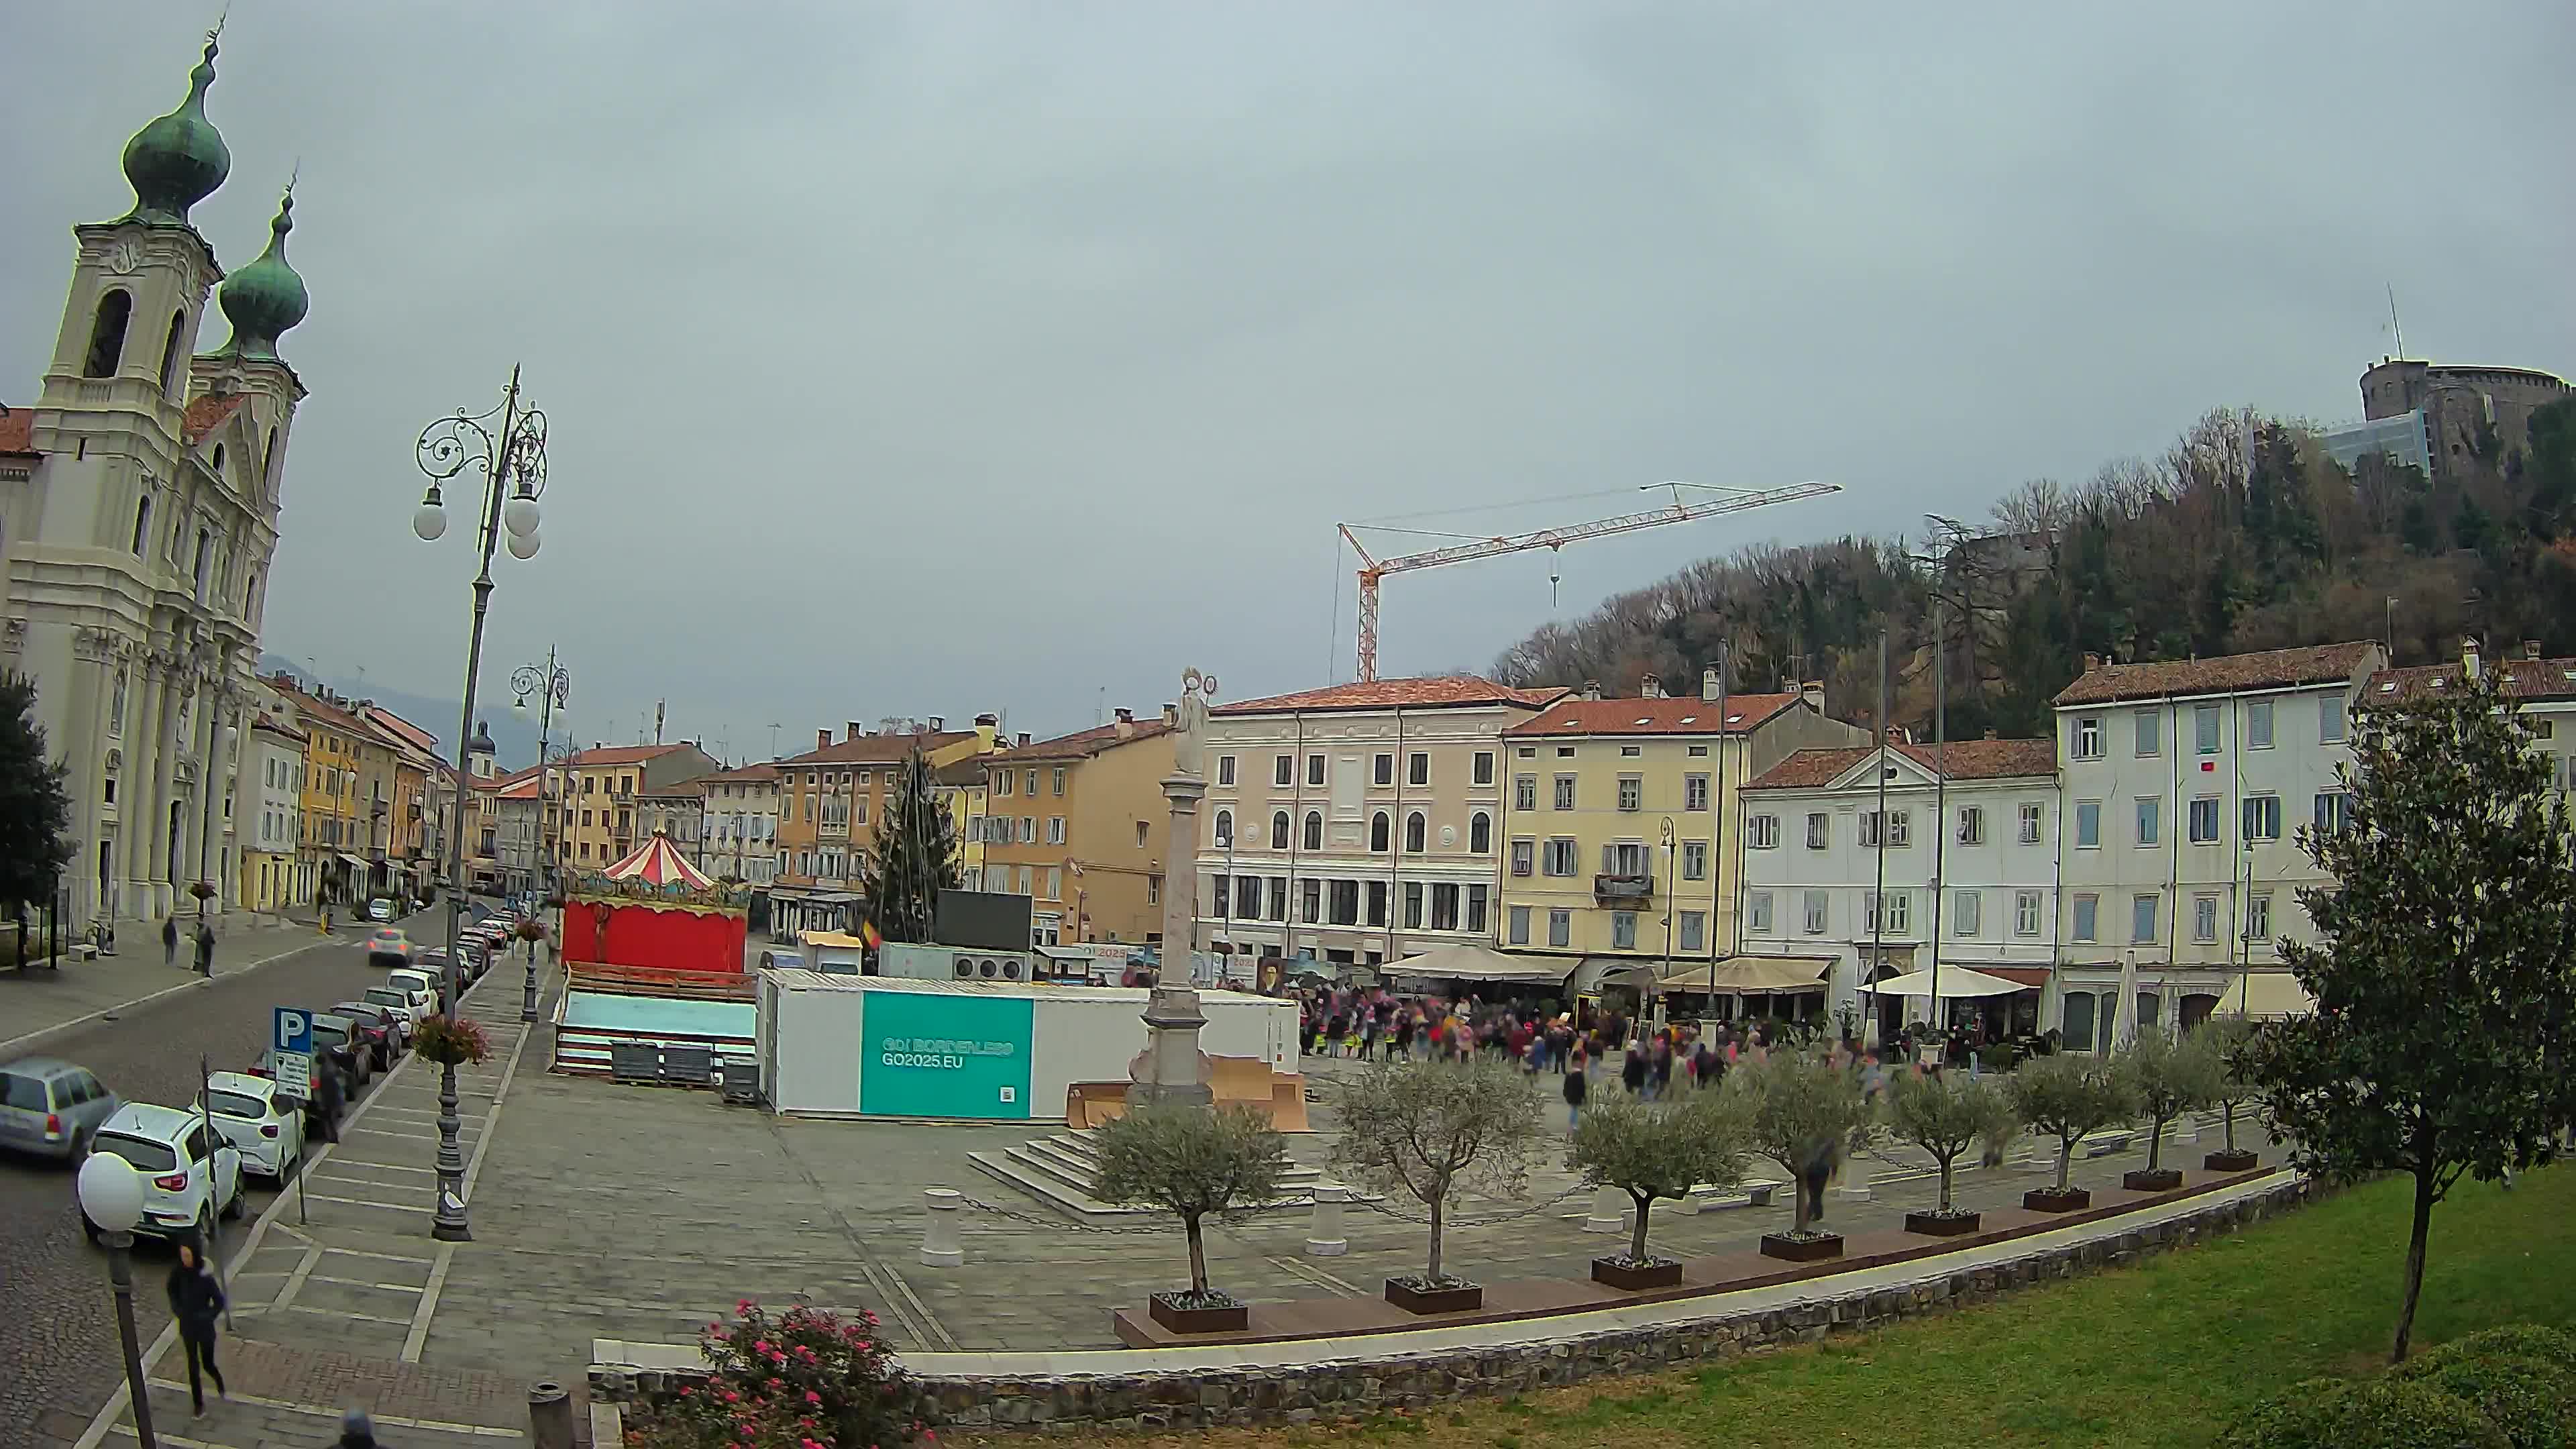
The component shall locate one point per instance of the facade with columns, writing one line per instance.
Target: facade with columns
(138, 515)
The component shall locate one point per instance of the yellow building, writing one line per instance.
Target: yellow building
(1079, 824)
(600, 789)
(1615, 814)
(330, 846)
(963, 788)
(830, 802)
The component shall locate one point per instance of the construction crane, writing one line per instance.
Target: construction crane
(1373, 569)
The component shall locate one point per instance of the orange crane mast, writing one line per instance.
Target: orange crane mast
(1373, 570)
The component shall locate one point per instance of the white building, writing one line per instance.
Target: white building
(1308, 838)
(138, 514)
(2185, 783)
(1964, 867)
(2544, 690)
(740, 837)
(273, 817)
(518, 843)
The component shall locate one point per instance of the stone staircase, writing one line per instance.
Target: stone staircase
(1062, 1171)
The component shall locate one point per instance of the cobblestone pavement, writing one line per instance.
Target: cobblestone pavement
(57, 1326)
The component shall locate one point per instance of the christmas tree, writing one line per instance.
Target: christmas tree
(914, 857)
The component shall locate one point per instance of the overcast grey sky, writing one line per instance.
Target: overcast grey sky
(931, 358)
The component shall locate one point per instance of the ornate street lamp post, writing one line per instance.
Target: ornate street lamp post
(552, 685)
(111, 1194)
(513, 460)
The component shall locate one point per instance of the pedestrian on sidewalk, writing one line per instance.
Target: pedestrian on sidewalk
(196, 1301)
(170, 942)
(357, 1431)
(1577, 1087)
(205, 950)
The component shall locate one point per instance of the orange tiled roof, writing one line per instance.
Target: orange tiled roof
(1441, 691)
(1960, 760)
(207, 413)
(2523, 679)
(620, 755)
(2226, 674)
(1572, 716)
(17, 431)
(1082, 744)
(747, 774)
(878, 749)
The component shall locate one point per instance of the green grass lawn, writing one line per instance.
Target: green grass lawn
(2163, 1353)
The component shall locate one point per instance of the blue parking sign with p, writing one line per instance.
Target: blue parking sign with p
(294, 1031)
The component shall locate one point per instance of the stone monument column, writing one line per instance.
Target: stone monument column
(1171, 1072)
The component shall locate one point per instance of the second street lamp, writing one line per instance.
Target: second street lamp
(513, 461)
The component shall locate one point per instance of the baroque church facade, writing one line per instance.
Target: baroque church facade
(138, 516)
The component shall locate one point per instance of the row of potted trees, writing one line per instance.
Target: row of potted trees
(1431, 1131)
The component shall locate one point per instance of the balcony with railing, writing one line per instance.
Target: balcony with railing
(1623, 887)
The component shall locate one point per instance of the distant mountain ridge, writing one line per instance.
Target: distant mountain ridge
(516, 738)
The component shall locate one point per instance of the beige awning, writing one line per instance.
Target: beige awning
(1739, 975)
(2266, 994)
(1956, 981)
(1476, 963)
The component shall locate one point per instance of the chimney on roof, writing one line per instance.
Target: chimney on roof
(851, 730)
(1650, 687)
(988, 718)
(1990, 734)
(1708, 687)
(1021, 739)
(1592, 689)
(1171, 714)
(2092, 661)
(938, 724)
(2531, 649)
(1125, 725)
(822, 739)
(2469, 656)
(1813, 692)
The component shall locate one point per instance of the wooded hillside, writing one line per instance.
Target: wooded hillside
(2201, 550)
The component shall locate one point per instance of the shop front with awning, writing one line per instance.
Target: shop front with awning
(2002, 999)
(1479, 967)
(1786, 987)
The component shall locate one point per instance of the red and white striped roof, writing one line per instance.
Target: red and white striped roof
(657, 863)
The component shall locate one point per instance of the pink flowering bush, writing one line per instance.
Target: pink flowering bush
(803, 1379)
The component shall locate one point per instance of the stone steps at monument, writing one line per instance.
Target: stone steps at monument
(1061, 1171)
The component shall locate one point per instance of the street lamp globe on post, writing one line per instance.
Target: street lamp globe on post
(111, 1197)
(508, 444)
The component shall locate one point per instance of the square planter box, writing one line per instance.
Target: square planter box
(2237, 1161)
(1934, 1225)
(1802, 1250)
(2050, 1200)
(2163, 1179)
(1462, 1298)
(1229, 1318)
(1660, 1273)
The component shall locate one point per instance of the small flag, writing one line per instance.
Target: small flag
(868, 933)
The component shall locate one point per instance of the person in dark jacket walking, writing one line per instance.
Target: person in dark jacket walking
(1577, 1087)
(196, 1301)
(1632, 1071)
(205, 950)
(327, 1096)
(357, 1431)
(170, 942)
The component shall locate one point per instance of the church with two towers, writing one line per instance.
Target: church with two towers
(138, 516)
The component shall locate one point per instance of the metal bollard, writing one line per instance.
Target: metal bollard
(549, 1415)
(941, 1246)
(1324, 1237)
(1609, 1211)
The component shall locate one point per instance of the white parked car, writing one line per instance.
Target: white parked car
(420, 985)
(251, 1116)
(189, 1176)
(401, 1002)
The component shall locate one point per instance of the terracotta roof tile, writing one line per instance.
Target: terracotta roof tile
(878, 749)
(968, 772)
(2226, 674)
(17, 431)
(745, 775)
(2524, 679)
(1960, 760)
(619, 755)
(1431, 692)
(276, 728)
(1652, 716)
(1082, 744)
(207, 413)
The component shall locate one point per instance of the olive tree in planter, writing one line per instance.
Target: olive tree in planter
(2170, 1078)
(1654, 1150)
(2067, 1096)
(2226, 1038)
(1945, 1116)
(1190, 1162)
(1803, 1110)
(1428, 1129)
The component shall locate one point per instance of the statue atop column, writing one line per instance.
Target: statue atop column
(1172, 1071)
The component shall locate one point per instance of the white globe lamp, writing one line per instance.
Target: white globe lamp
(524, 545)
(111, 1193)
(519, 515)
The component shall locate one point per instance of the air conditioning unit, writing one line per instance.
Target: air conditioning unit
(988, 968)
(965, 968)
(1010, 970)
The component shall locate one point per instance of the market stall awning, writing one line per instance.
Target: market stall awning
(1476, 963)
(2266, 994)
(1737, 975)
(1956, 981)
(357, 862)
(658, 863)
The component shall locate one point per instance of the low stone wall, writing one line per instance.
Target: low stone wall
(1296, 1394)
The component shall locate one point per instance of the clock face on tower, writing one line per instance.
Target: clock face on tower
(125, 256)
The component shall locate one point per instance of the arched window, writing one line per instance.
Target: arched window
(1480, 833)
(1378, 833)
(1279, 830)
(1225, 827)
(268, 462)
(205, 558)
(1314, 830)
(219, 460)
(250, 610)
(1415, 827)
(170, 352)
(107, 334)
(142, 523)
